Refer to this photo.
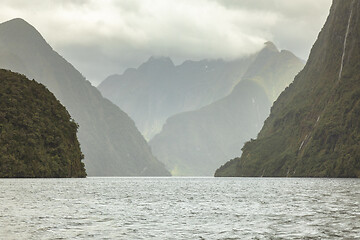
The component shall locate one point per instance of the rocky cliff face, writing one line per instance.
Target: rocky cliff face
(109, 139)
(314, 129)
(197, 142)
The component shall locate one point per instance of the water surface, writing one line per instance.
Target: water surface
(180, 208)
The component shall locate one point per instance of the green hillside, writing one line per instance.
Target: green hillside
(37, 135)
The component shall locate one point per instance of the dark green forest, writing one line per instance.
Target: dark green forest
(37, 134)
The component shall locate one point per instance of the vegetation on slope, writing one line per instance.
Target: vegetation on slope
(37, 134)
(314, 128)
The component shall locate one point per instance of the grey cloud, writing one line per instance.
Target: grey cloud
(291, 8)
(105, 37)
(298, 22)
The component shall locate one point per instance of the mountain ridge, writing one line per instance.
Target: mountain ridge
(152, 94)
(197, 142)
(110, 141)
(313, 129)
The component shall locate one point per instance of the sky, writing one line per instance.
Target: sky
(104, 37)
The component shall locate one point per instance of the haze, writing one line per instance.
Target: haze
(104, 37)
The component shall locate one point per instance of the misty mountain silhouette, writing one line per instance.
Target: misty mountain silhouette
(158, 89)
(198, 142)
(109, 139)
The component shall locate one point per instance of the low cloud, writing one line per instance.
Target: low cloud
(105, 37)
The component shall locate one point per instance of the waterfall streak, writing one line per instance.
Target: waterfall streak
(345, 40)
(303, 142)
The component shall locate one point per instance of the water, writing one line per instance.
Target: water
(180, 208)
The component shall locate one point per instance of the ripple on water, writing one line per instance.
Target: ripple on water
(179, 208)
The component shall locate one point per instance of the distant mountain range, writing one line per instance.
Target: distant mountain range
(314, 126)
(158, 89)
(109, 139)
(198, 142)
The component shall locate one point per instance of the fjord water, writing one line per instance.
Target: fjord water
(180, 208)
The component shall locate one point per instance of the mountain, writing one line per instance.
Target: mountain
(195, 143)
(273, 70)
(109, 139)
(314, 129)
(37, 135)
(158, 89)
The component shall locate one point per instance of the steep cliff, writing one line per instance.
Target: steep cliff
(314, 129)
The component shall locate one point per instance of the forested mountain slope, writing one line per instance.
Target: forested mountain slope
(314, 128)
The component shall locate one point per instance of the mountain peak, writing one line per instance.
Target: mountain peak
(18, 24)
(158, 62)
(18, 32)
(160, 59)
(17, 21)
(271, 46)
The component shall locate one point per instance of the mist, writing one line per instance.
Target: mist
(101, 38)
